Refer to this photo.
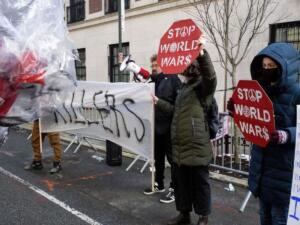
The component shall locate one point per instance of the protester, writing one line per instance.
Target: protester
(276, 68)
(191, 147)
(166, 87)
(55, 143)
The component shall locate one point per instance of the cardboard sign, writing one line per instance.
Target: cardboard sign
(253, 112)
(294, 209)
(178, 47)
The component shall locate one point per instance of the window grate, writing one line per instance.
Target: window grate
(111, 6)
(76, 11)
(286, 32)
(115, 75)
(80, 65)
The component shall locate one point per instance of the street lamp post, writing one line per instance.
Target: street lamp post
(120, 52)
(114, 151)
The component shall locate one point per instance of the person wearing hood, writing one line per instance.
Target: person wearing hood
(191, 147)
(276, 69)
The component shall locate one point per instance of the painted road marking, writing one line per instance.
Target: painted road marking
(51, 198)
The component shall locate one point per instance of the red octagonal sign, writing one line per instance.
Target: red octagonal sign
(253, 112)
(178, 47)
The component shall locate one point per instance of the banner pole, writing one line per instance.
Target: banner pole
(40, 136)
(153, 144)
(245, 202)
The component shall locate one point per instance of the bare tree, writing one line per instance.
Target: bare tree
(231, 26)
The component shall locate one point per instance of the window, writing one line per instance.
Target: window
(80, 65)
(76, 11)
(95, 6)
(286, 32)
(112, 5)
(114, 73)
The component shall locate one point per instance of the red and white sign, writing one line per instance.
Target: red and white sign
(178, 47)
(253, 112)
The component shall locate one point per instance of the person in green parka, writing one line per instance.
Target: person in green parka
(191, 146)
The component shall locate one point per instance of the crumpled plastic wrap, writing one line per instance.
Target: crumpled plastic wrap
(3, 135)
(36, 59)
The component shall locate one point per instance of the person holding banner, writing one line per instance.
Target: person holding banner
(166, 87)
(276, 69)
(54, 140)
(191, 147)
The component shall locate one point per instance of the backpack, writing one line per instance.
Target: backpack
(211, 114)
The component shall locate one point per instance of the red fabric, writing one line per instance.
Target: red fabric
(31, 70)
(8, 95)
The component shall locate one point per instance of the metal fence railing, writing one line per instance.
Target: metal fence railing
(228, 159)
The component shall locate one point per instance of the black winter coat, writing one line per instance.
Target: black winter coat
(166, 87)
(271, 168)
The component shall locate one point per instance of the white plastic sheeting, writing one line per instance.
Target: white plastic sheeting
(36, 59)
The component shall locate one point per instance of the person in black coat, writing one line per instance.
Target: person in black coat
(166, 87)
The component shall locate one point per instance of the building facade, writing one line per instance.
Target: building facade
(93, 26)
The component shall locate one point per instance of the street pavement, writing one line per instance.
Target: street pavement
(88, 191)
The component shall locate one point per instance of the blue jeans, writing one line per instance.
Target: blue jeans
(273, 214)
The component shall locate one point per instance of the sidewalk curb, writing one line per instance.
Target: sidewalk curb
(228, 179)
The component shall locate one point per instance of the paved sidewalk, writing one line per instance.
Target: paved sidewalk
(108, 195)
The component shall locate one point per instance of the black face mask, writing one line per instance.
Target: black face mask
(269, 76)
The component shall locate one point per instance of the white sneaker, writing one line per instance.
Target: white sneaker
(169, 198)
(149, 191)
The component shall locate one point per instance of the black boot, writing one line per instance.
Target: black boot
(56, 167)
(34, 165)
(181, 219)
(203, 220)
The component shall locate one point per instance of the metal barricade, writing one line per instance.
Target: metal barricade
(225, 157)
(90, 114)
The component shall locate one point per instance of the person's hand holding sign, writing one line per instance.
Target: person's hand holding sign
(154, 99)
(230, 107)
(201, 43)
(278, 137)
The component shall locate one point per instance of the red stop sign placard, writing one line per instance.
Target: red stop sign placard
(253, 112)
(178, 47)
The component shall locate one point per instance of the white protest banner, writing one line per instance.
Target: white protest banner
(294, 210)
(120, 112)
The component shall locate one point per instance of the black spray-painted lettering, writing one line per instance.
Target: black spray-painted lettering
(141, 121)
(104, 113)
(115, 110)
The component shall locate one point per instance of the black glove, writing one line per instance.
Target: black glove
(230, 106)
